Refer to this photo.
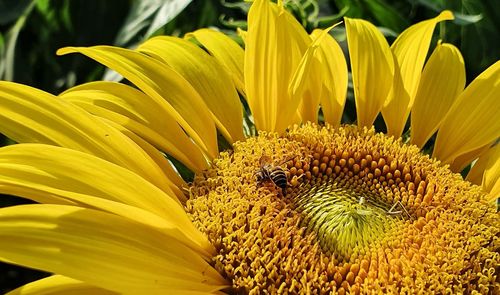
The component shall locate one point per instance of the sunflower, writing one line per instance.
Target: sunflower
(335, 209)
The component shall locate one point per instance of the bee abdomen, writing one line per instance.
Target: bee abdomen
(278, 176)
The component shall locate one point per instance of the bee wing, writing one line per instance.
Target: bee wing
(286, 160)
(265, 160)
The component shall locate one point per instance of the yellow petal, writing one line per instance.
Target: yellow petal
(102, 249)
(410, 50)
(49, 174)
(486, 172)
(207, 76)
(394, 120)
(175, 181)
(59, 285)
(335, 78)
(472, 121)
(243, 35)
(476, 172)
(464, 160)
(443, 79)
(306, 84)
(321, 76)
(372, 66)
(31, 115)
(225, 50)
(274, 46)
(140, 114)
(170, 90)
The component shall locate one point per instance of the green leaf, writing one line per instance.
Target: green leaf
(149, 15)
(7, 57)
(354, 8)
(328, 20)
(2, 51)
(144, 15)
(242, 6)
(479, 42)
(461, 19)
(466, 19)
(10, 10)
(386, 15)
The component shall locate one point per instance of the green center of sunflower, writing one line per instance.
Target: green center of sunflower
(359, 213)
(344, 220)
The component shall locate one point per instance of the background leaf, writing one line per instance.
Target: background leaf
(148, 16)
(9, 43)
(143, 20)
(11, 10)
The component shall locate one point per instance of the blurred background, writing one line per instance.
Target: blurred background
(32, 30)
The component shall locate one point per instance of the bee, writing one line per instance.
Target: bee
(274, 173)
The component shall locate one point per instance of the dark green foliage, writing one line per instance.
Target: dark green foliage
(43, 26)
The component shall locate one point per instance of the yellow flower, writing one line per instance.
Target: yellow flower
(337, 208)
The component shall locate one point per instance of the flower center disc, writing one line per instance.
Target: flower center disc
(360, 213)
(342, 218)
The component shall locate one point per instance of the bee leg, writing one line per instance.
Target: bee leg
(282, 191)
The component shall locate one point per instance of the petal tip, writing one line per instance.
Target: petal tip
(65, 50)
(446, 15)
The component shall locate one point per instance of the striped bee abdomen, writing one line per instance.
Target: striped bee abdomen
(269, 172)
(278, 176)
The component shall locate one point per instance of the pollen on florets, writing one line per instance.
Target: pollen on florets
(362, 213)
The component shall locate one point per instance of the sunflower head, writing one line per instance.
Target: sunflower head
(363, 212)
(306, 205)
